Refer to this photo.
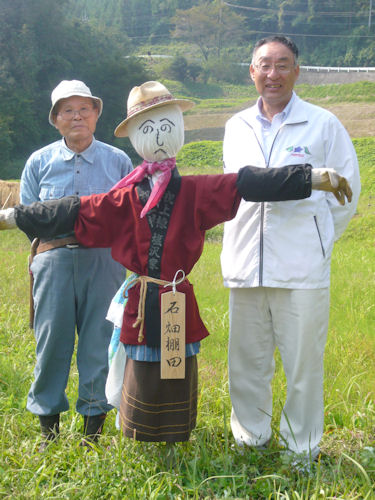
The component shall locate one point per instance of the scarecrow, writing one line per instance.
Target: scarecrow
(155, 221)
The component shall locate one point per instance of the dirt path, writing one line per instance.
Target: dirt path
(358, 119)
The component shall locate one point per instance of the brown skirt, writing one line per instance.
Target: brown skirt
(155, 409)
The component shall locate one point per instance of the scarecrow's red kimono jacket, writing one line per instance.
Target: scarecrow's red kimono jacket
(169, 238)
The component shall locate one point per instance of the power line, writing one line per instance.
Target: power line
(310, 35)
(297, 13)
(148, 36)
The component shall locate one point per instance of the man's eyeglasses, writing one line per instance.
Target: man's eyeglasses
(69, 114)
(282, 69)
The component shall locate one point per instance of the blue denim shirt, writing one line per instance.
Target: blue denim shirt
(55, 171)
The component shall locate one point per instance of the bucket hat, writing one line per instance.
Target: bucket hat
(69, 88)
(145, 97)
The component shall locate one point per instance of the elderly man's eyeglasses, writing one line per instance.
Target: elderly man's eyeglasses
(69, 114)
(281, 68)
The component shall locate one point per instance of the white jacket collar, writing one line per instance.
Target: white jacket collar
(297, 113)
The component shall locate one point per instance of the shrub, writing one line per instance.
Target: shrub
(201, 156)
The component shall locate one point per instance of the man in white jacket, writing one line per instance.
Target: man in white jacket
(276, 256)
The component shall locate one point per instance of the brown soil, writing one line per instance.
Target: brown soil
(358, 119)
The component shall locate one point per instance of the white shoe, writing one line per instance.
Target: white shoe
(301, 462)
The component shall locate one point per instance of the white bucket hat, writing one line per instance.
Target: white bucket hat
(69, 88)
(145, 97)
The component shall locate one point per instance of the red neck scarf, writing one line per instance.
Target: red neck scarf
(149, 168)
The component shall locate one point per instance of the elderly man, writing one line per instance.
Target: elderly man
(276, 256)
(73, 285)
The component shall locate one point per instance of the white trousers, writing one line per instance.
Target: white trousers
(295, 321)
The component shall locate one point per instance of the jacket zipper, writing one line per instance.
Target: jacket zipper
(261, 246)
(320, 237)
(261, 237)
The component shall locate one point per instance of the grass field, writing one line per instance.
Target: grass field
(209, 466)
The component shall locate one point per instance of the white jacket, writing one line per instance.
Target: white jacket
(287, 244)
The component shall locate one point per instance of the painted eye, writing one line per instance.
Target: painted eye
(147, 129)
(166, 127)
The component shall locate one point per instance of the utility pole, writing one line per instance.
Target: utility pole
(220, 27)
(369, 15)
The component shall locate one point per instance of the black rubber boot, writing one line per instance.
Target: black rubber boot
(92, 428)
(50, 427)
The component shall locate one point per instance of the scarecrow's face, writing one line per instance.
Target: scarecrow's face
(157, 134)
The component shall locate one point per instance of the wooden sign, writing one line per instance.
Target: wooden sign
(172, 363)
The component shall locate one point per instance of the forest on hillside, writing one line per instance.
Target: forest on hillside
(328, 32)
(45, 41)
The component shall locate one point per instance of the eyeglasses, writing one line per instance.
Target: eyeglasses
(282, 69)
(68, 113)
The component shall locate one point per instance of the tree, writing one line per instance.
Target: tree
(40, 45)
(178, 69)
(25, 27)
(210, 26)
(194, 70)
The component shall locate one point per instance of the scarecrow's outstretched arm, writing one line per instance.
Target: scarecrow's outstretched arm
(56, 217)
(292, 182)
(43, 219)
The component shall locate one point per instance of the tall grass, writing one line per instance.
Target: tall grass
(209, 465)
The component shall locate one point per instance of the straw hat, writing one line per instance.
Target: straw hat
(69, 88)
(145, 97)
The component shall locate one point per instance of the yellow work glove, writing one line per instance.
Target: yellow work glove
(7, 220)
(327, 179)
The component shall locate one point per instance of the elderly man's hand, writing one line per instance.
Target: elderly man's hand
(7, 220)
(327, 179)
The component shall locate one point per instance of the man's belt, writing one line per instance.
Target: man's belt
(69, 242)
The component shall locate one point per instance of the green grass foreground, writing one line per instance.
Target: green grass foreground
(210, 465)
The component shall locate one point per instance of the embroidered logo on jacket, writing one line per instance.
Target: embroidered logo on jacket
(300, 151)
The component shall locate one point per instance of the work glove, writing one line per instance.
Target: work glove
(7, 220)
(327, 179)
